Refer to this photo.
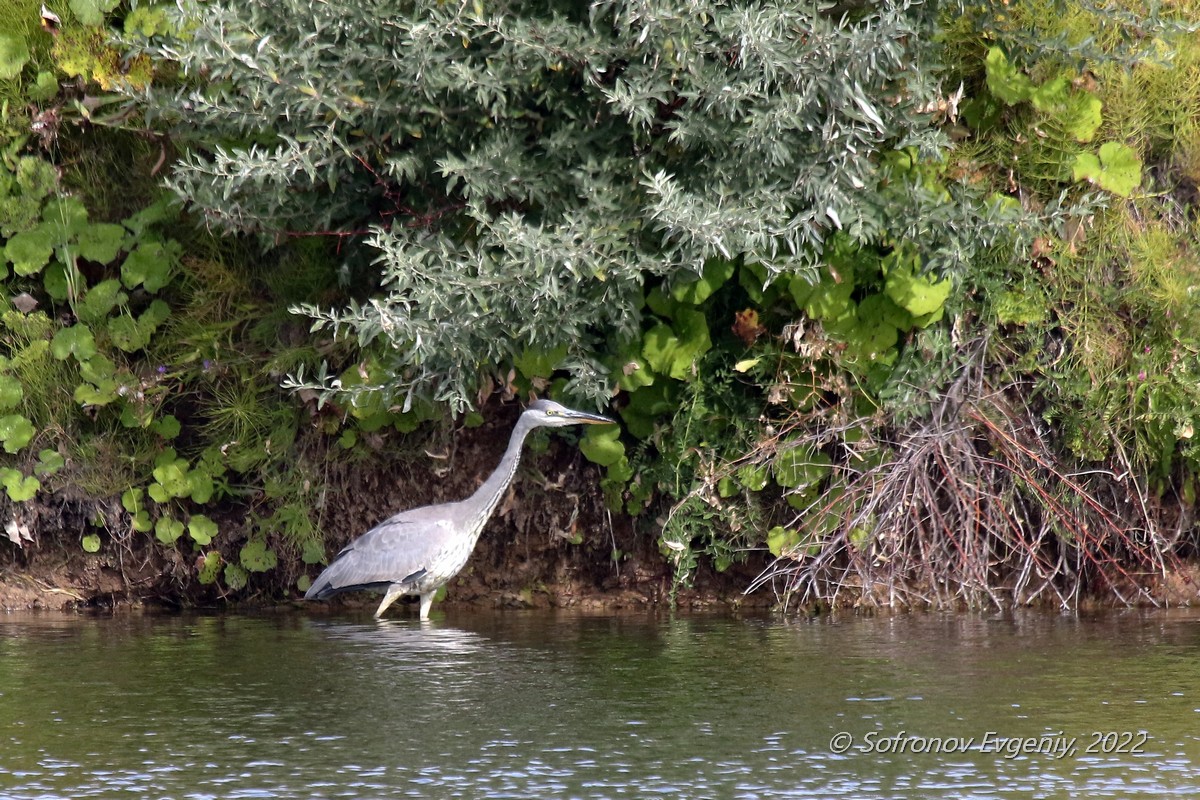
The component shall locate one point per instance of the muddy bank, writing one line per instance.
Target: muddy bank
(551, 542)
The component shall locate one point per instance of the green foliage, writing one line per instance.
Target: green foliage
(505, 162)
(14, 54)
(16, 431)
(202, 529)
(257, 557)
(168, 529)
(106, 338)
(1008, 83)
(1116, 167)
(18, 487)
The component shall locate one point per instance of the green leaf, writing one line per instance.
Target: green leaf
(673, 351)
(1078, 112)
(172, 479)
(155, 314)
(16, 431)
(919, 295)
(14, 54)
(149, 266)
(19, 487)
(235, 576)
(141, 523)
(76, 340)
(91, 12)
(1004, 80)
(65, 217)
(100, 300)
(200, 486)
(781, 540)
(11, 392)
(209, 568)
(44, 88)
(167, 427)
(91, 543)
(168, 529)
(257, 557)
(54, 279)
(800, 466)
(539, 363)
(127, 334)
(164, 209)
(99, 394)
(29, 251)
(829, 299)
(131, 500)
(97, 369)
(49, 462)
(303, 583)
(101, 241)
(753, 476)
(201, 529)
(1116, 168)
(694, 292)
(602, 445)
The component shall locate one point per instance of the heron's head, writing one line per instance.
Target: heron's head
(555, 415)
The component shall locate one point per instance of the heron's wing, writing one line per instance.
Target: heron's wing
(397, 550)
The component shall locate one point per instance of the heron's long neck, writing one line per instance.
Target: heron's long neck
(488, 495)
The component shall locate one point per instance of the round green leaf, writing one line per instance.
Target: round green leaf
(601, 445)
(14, 54)
(16, 431)
(168, 529)
(149, 266)
(694, 292)
(141, 522)
(167, 427)
(54, 280)
(29, 251)
(126, 334)
(201, 529)
(1116, 168)
(1004, 80)
(11, 392)
(76, 340)
(257, 557)
(209, 569)
(235, 576)
(131, 500)
(800, 466)
(44, 88)
(91, 543)
(100, 300)
(101, 241)
(49, 462)
(19, 487)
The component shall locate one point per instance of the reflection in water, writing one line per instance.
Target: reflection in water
(542, 705)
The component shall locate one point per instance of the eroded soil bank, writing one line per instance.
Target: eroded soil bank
(551, 543)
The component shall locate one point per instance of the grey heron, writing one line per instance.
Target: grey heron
(418, 551)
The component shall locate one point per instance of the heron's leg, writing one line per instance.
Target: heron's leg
(393, 593)
(426, 602)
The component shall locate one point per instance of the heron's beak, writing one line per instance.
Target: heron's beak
(585, 418)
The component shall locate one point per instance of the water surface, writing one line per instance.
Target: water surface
(525, 704)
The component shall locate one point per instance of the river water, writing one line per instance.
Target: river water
(541, 705)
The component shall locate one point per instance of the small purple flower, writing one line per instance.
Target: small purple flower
(1142, 375)
(1146, 349)
(162, 370)
(207, 365)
